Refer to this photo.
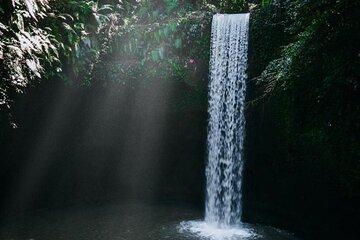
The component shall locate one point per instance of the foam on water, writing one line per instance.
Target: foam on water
(208, 231)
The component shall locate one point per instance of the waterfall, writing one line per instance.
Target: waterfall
(227, 88)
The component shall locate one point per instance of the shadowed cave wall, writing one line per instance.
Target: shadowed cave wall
(94, 145)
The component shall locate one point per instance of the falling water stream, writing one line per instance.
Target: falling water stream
(227, 88)
(226, 124)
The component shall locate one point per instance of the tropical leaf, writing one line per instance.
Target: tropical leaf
(155, 56)
(177, 43)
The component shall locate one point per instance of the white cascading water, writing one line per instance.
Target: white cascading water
(227, 89)
(228, 64)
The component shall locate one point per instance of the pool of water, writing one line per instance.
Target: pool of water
(128, 222)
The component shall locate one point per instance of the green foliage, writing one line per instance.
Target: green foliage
(25, 47)
(308, 31)
(162, 44)
(229, 6)
(72, 39)
(84, 31)
(42, 38)
(265, 3)
(306, 63)
(233, 6)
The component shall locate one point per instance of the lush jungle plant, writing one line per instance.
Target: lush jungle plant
(42, 38)
(305, 63)
(166, 42)
(25, 47)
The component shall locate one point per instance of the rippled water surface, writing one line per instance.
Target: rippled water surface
(127, 221)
